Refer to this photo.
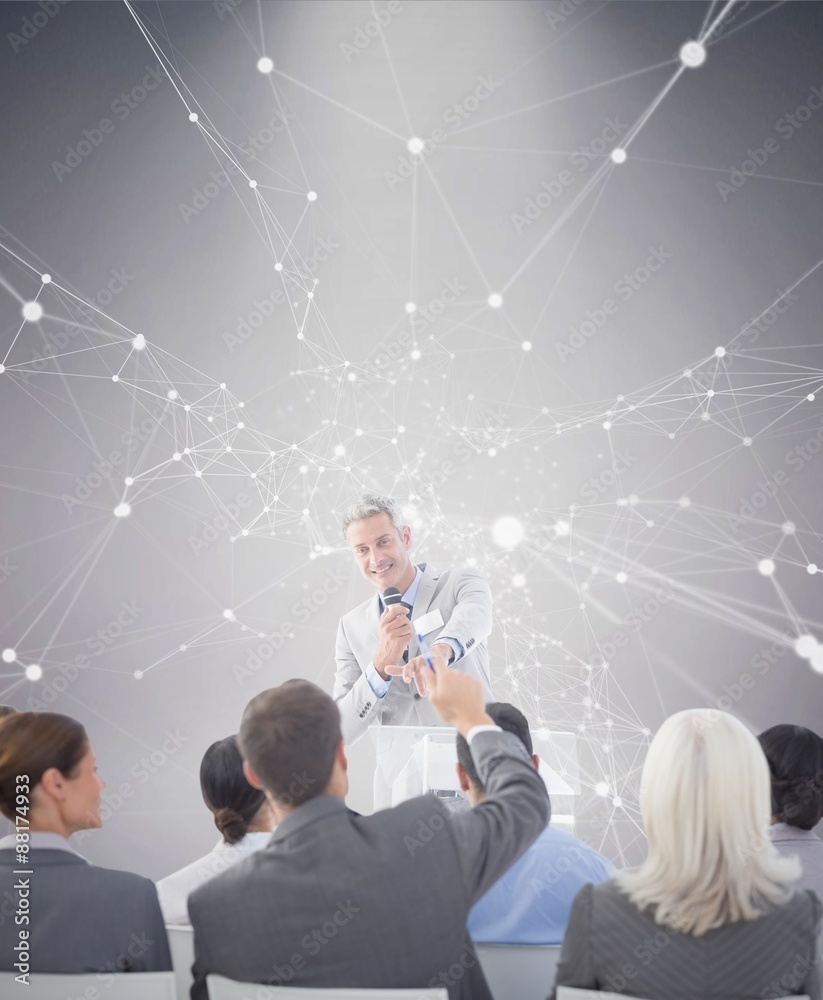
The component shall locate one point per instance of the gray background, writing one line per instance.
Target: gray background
(457, 420)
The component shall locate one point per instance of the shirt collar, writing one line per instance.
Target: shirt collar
(40, 840)
(411, 593)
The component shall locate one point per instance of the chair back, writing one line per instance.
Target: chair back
(181, 946)
(71, 986)
(519, 971)
(228, 989)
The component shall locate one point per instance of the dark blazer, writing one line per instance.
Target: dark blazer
(612, 945)
(343, 900)
(82, 918)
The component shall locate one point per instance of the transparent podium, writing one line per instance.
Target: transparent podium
(414, 760)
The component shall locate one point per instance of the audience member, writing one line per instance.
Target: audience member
(530, 904)
(795, 757)
(710, 912)
(81, 918)
(241, 814)
(342, 900)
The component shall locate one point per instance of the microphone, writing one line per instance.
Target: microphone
(391, 597)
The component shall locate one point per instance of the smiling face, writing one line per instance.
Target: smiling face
(382, 552)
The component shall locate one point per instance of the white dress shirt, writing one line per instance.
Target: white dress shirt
(173, 890)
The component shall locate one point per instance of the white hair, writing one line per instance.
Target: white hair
(705, 800)
(370, 504)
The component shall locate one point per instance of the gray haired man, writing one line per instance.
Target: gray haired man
(377, 648)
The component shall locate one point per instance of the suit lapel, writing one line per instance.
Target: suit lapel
(422, 600)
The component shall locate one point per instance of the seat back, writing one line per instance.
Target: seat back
(228, 989)
(181, 945)
(71, 986)
(519, 971)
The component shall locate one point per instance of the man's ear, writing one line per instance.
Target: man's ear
(342, 759)
(536, 761)
(462, 777)
(251, 777)
(407, 537)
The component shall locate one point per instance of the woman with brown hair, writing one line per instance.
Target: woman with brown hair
(76, 917)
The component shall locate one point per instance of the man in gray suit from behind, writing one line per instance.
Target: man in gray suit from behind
(375, 643)
(342, 900)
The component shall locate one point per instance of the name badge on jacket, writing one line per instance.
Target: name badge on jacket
(428, 623)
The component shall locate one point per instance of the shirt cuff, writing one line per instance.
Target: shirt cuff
(376, 682)
(455, 645)
(483, 728)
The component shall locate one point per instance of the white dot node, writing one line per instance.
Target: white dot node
(720, 352)
(139, 342)
(309, 295)
(138, 675)
(618, 156)
(526, 345)
(2, 369)
(278, 266)
(811, 569)
(228, 614)
(411, 307)
(805, 646)
(710, 393)
(193, 117)
(747, 442)
(602, 788)
(8, 656)
(607, 425)
(340, 449)
(692, 55)
(684, 502)
(265, 65)
(705, 416)
(183, 647)
(115, 378)
(32, 311)
(817, 660)
(495, 300)
(210, 419)
(788, 528)
(415, 355)
(241, 426)
(222, 385)
(312, 196)
(671, 437)
(617, 802)
(122, 510)
(518, 580)
(766, 567)
(621, 577)
(415, 146)
(810, 397)
(34, 672)
(176, 457)
(252, 184)
(507, 532)
(172, 394)
(198, 474)
(352, 376)
(45, 278)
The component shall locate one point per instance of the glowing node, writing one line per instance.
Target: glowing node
(32, 311)
(526, 345)
(222, 385)
(415, 146)
(115, 378)
(617, 802)
(671, 437)
(621, 577)
(788, 528)
(278, 266)
(495, 300)
(358, 432)
(2, 369)
(245, 531)
(415, 355)
(139, 342)
(128, 480)
(340, 449)
(122, 510)
(45, 278)
(187, 407)
(241, 426)
(309, 295)
(228, 447)
(228, 614)
(252, 184)
(518, 580)
(817, 660)
(710, 393)
(8, 655)
(352, 376)
(684, 502)
(312, 196)
(183, 648)
(607, 425)
(705, 416)
(747, 442)
(411, 307)
(198, 474)
(601, 788)
(138, 675)
(34, 672)
(176, 457)
(618, 155)
(265, 65)
(811, 569)
(507, 531)
(692, 55)
(810, 397)
(805, 646)
(210, 419)
(720, 352)
(766, 567)
(172, 394)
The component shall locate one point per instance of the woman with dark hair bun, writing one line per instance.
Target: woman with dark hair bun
(241, 814)
(77, 917)
(795, 757)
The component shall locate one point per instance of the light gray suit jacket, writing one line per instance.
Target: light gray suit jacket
(343, 900)
(82, 918)
(463, 598)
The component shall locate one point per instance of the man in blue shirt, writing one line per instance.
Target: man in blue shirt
(530, 904)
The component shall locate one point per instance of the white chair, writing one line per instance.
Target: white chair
(519, 971)
(228, 989)
(181, 946)
(68, 986)
(573, 993)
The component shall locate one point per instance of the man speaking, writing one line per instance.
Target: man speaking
(377, 648)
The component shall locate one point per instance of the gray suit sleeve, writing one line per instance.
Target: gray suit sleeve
(471, 619)
(496, 833)
(355, 699)
(575, 965)
(156, 957)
